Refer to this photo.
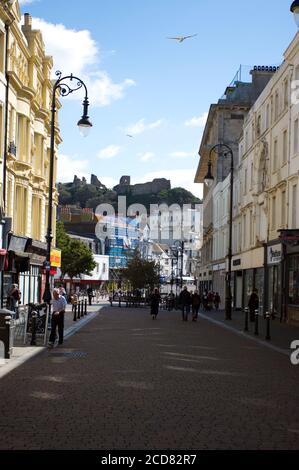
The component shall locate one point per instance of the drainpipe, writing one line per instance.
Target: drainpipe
(7, 28)
(5, 228)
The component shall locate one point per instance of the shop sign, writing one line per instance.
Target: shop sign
(55, 258)
(274, 254)
(17, 243)
(237, 262)
(290, 237)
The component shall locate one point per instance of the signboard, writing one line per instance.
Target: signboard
(274, 254)
(17, 243)
(55, 258)
(289, 237)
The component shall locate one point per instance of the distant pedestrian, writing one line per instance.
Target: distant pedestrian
(253, 304)
(196, 300)
(74, 300)
(205, 300)
(217, 300)
(185, 302)
(58, 310)
(155, 302)
(89, 294)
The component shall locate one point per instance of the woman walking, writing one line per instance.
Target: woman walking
(155, 301)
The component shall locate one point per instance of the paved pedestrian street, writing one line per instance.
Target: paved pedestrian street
(125, 381)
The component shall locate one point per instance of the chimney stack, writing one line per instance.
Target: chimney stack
(27, 20)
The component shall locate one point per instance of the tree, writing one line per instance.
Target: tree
(76, 257)
(141, 273)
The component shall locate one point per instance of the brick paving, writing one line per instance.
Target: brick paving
(281, 333)
(125, 381)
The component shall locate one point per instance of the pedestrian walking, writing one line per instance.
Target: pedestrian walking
(253, 304)
(205, 300)
(185, 302)
(58, 310)
(155, 302)
(13, 297)
(74, 300)
(89, 294)
(217, 301)
(196, 300)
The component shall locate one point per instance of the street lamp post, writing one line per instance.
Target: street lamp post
(66, 85)
(209, 180)
(178, 248)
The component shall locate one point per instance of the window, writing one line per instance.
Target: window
(285, 146)
(275, 155)
(267, 116)
(273, 213)
(251, 176)
(245, 181)
(20, 209)
(23, 136)
(2, 49)
(38, 162)
(258, 126)
(294, 207)
(296, 136)
(283, 208)
(36, 218)
(251, 228)
(285, 94)
(276, 106)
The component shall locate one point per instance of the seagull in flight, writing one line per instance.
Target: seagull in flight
(182, 38)
(128, 135)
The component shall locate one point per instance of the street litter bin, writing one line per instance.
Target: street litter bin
(7, 331)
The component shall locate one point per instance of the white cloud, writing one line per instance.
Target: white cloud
(109, 152)
(26, 2)
(182, 154)
(146, 157)
(67, 163)
(102, 91)
(76, 52)
(108, 181)
(197, 121)
(178, 178)
(139, 127)
(72, 50)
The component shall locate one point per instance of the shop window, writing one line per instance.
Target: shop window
(294, 280)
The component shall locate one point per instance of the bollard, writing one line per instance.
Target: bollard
(75, 312)
(33, 326)
(246, 318)
(119, 302)
(256, 329)
(268, 337)
(85, 307)
(7, 342)
(79, 309)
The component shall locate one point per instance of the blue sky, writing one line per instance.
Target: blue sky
(146, 85)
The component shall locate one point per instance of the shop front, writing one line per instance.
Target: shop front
(290, 276)
(273, 301)
(219, 276)
(247, 275)
(25, 261)
(205, 280)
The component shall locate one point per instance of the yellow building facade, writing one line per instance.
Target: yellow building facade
(25, 115)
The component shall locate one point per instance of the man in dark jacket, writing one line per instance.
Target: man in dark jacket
(185, 302)
(253, 304)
